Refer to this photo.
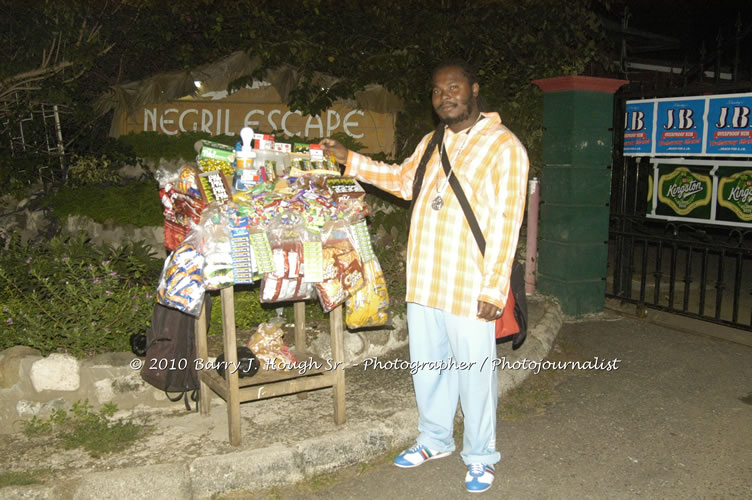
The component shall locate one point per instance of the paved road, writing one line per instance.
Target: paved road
(673, 421)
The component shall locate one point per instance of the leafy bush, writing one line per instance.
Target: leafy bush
(135, 203)
(67, 295)
(89, 170)
(94, 431)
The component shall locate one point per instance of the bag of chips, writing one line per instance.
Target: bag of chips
(343, 270)
(369, 306)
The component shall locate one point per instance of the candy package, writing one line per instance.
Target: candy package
(269, 347)
(286, 283)
(369, 306)
(342, 266)
(218, 264)
(181, 285)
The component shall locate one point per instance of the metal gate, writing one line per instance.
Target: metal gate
(688, 267)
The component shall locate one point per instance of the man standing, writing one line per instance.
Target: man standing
(454, 292)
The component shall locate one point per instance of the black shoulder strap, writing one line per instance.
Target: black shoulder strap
(435, 140)
(462, 199)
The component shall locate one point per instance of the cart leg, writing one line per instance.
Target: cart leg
(336, 331)
(300, 341)
(202, 352)
(231, 373)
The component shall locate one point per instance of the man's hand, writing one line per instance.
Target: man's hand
(334, 147)
(488, 312)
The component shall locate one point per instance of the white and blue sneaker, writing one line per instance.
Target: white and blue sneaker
(479, 477)
(417, 455)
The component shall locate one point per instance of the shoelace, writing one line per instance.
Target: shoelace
(477, 469)
(414, 448)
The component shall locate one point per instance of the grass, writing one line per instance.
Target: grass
(94, 431)
(25, 478)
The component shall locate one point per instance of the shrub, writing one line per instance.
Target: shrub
(135, 203)
(67, 295)
(90, 170)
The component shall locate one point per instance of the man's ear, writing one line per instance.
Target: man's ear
(476, 89)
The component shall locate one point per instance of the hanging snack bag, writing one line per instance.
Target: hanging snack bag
(285, 283)
(217, 250)
(181, 285)
(343, 269)
(369, 306)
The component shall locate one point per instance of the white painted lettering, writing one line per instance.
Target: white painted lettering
(284, 122)
(310, 125)
(163, 120)
(206, 120)
(330, 125)
(349, 124)
(150, 116)
(181, 126)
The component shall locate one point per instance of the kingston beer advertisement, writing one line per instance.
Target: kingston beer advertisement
(734, 195)
(683, 191)
(711, 191)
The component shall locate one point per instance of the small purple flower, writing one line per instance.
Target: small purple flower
(93, 323)
(96, 280)
(149, 296)
(65, 259)
(106, 262)
(5, 309)
(9, 321)
(28, 260)
(135, 307)
(106, 329)
(90, 267)
(114, 274)
(108, 292)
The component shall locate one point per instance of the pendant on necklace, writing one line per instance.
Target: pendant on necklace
(437, 203)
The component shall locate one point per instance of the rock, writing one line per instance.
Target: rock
(10, 361)
(57, 372)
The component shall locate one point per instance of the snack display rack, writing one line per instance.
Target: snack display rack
(286, 218)
(268, 383)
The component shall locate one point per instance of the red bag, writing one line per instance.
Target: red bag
(513, 321)
(507, 325)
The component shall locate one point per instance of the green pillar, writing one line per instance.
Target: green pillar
(575, 190)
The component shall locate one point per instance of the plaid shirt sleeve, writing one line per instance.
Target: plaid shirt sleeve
(392, 178)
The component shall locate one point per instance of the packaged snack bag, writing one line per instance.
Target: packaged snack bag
(181, 285)
(369, 306)
(218, 264)
(286, 283)
(343, 270)
(268, 346)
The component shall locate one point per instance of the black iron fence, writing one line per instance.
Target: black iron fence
(703, 272)
(689, 268)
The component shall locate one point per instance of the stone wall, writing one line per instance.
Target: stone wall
(32, 385)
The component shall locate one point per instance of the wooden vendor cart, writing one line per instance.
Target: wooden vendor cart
(268, 383)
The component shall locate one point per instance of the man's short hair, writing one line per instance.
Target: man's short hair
(455, 62)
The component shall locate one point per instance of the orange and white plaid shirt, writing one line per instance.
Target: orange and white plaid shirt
(445, 269)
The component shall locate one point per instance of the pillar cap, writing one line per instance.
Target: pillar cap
(584, 83)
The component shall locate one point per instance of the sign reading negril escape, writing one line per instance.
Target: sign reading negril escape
(718, 125)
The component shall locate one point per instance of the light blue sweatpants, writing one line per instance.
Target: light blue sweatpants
(468, 347)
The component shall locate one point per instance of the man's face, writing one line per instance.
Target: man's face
(453, 98)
